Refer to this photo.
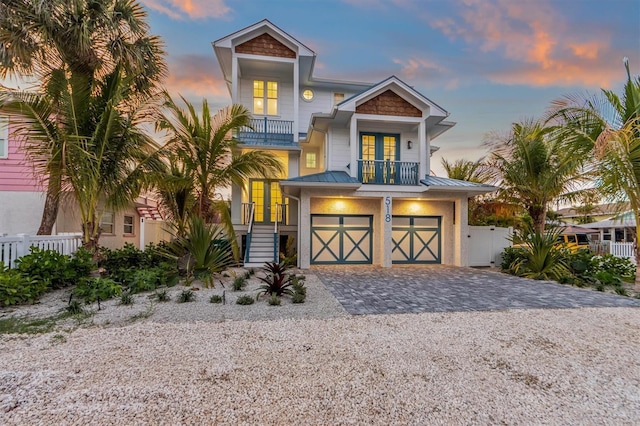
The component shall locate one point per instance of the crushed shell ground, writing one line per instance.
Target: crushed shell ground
(320, 366)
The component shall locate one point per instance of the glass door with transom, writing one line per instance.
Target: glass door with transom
(378, 155)
(269, 202)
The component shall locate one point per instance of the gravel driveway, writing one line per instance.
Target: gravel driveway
(570, 366)
(315, 364)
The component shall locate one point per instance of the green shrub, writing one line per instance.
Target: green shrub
(297, 283)
(239, 283)
(74, 308)
(274, 300)
(215, 299)
(97, 290)
(618, 266)
(126, 298)
(186, 296)
(56, 270)
(202, 250)
(16, 289)
(542, 257)
(579, 261)
(277, 279)
(145, 280)
(509, 257)
(161, 296)
(244, 300)
(298, 298)
(607, 278)
(621, 291)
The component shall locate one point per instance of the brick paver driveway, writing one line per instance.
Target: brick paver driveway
(439, 288)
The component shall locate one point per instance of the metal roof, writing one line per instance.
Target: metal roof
(324, 177)
(440, 182)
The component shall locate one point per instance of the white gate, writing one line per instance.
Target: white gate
(486, 244)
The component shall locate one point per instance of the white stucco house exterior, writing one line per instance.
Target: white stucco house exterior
(356, 188)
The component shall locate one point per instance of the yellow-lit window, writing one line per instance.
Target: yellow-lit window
(272, 98)
(311, 160)
(368, 147)
(258, 97)
(389, 148)
(337, 98)
(265, 97)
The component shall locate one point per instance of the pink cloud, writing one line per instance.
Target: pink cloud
(191, 9)
(427, 71)
(197, 76)
(542, 46)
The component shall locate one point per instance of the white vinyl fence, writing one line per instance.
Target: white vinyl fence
(486, 244)
(16, 246)
(622, 250)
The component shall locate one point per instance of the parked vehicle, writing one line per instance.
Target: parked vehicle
(575, 241)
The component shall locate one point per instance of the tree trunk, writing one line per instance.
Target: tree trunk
(90, 237)
(50, 211)
(539, 216)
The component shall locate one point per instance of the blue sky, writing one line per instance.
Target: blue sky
(487, 62)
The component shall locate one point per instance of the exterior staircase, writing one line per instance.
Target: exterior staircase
(261, 246)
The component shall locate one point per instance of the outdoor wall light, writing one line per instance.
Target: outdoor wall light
(409, 144)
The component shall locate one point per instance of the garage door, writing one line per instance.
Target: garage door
(416, 239)
(341, 239)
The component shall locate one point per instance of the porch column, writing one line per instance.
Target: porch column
(304, 231)
(141, 230)
(236, 205)
(387, 238)
(353, 140)
(423, 150)
(234, 79)
(461, 232)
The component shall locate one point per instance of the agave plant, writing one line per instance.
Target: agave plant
(542, 256)
(277, 280)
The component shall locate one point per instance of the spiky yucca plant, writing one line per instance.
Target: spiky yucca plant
(542, 255)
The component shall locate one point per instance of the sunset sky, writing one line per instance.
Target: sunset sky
(487, 62)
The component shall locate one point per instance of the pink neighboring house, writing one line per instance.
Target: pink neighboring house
(15, 173)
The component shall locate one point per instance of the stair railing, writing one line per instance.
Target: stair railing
(252, 207)
(276, 240)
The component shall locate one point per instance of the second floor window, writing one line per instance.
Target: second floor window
(4, 137)
(265, 97)
(311, 160)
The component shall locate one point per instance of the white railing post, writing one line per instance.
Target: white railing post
(22, 248)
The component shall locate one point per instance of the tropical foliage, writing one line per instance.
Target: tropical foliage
(534, 168)
(204, 158)
(609, 127)
(66, 46)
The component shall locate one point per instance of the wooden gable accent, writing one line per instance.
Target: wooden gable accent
(389, 103)
(265, 45)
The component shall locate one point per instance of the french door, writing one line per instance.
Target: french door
(378, 155)
(268, 199)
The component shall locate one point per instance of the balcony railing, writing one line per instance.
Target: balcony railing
(387, 172)
(263, 131)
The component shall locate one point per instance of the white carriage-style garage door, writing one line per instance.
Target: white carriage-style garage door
(416, 239)
(341, 239)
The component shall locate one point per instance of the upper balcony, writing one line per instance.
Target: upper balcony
(387, 172)
(267, 132)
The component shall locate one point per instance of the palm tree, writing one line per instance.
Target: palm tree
(205, 146)
(204, 151)
(609, 127)
(534, 168)
(104, 156)
(76, 42)
(471, 171)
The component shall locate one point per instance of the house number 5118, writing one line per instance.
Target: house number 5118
(387, 204)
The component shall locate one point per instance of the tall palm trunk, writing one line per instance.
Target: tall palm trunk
(51, 207)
